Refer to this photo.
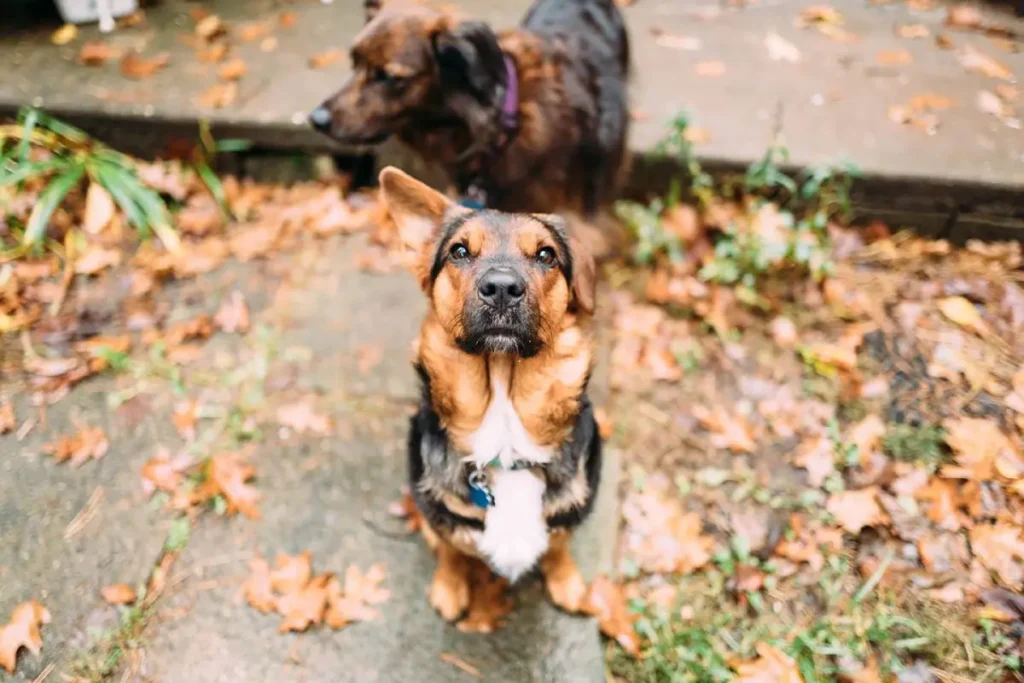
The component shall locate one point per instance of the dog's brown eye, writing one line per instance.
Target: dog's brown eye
(546, 256)
(458, 252)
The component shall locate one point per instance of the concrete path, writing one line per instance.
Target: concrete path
(314, 317)
(712, 60)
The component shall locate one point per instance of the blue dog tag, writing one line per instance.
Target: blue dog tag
(478, 491)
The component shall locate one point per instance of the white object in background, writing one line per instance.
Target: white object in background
(103, 11)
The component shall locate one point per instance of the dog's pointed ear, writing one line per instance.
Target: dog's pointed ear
(417, 211)
(584, 275)
(371, 8)
(469, 56)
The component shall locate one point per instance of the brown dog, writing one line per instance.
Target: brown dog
(504, 454)
(533, 119)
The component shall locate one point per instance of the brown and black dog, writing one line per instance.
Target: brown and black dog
(532, 119)
(504, 453)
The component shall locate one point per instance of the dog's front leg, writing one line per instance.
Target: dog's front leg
(449, 590)
(565, 583)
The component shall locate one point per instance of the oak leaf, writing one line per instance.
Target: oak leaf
(607, 602)
(136, 67)
(233, 314)
(305, 606)
(962, 312)
(855, 510)
(1000, 549)
(226, 475)
(771, 666)
(22, 631)
(163, 472)
(301, 417)
(89, 443)
(292, 572)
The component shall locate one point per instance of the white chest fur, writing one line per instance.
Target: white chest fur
(515, 532)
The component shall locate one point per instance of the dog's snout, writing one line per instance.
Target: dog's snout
(501, 287)
(320, 118)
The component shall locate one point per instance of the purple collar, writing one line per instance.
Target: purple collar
(510, 107)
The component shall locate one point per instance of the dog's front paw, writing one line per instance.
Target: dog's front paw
(449, 594)
(567, 588)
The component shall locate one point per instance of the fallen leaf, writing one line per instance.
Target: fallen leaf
(912, 31)
(771, 666)
(1009, 93)
(292, 572)
(696, 135)
(287, 19)
(963, 15)
(164, 473)
(661, 537)
(366, 586)
(301, 417)
(213, 53)
(356, 602)
(784, 332)
(820, 13)
(99, 209)
(23, 630)
(97, 258)
(962, 312)
(257, 588)
(233, 314)
(219, 96)
(855, 510)
(973, 59)
(89, 443)
(326, 59)
(711, 67)
(894, 57)
(134, 66)
(944, 42)
(607, 602)
(780, 49)
(253, 30)
(210, 26)
(119, 594)
(64, 35)
(944, 503)
(1000, 549)
(818, 458)
(728, 430)
(232, 70)
(7, 419)
(991, 103)
(268, 44)
(979, 447)
(866, 435)
(97, 53)
(226, 475)
(305, 606)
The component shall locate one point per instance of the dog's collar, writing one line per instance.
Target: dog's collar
(475, 196)
(480, 482)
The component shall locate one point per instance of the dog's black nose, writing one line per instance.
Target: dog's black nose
(501, 287)
(320, 118)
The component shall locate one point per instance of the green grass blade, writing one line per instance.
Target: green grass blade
(28, 118)
(26, 170)
(214, 185)
(232, 145)
(48, 201)
(110, 177)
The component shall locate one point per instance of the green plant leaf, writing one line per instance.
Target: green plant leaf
(28, 118)
(25, 170)
(48, 201)
(232, 145)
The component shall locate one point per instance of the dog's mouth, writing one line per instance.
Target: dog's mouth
(515, 341)
(355, 140)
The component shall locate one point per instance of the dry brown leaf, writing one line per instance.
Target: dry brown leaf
(607, 602)
(164, 473)
(119, 594)
(710, 67)
(1009, 93)
(963, 15)
(254, 30)
(96, 258)
(326, 59)
(136, 67)
(7, 419)
(771, 666)
(210, 27)
(674, 42)
(226, 475)
(292, 572)
(841, 357)
(728, 430)
(361, 593)
(819, 14)
(97, 53)
(233, 314)
(944, 500)
(866, 435)
(944, 42)
(818, 458)
(855, 510)
(213, 53)
(257, 588)
(287, 19)
(268, 44)
(894, 57)
(912, 31)
(980, 447)
(661, 537)
(219, 96)
(962, 312)
(305, 606)
(64, 35)
(99, 209)
(1000, 549)
(232, 69)
(973, 59)
(301, 417)
(185, 417)
(23, 631)
(89, 443)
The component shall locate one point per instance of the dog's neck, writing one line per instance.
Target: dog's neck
(512, 408)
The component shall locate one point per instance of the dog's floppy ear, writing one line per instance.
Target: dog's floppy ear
(470, 57)
(417, 210)
(584, 275)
